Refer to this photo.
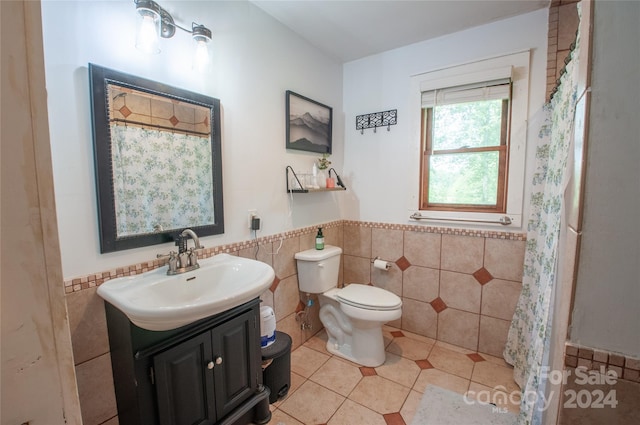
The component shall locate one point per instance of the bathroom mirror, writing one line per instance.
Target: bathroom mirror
(157, 158)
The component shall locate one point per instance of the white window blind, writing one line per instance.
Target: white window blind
(489, 90)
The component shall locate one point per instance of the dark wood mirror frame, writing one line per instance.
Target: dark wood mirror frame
(99, 79)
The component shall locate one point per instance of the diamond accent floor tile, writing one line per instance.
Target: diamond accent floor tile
(424, 364)
(368, 371)
(394, 419)
(476, 357)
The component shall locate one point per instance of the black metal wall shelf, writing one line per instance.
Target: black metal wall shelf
(298, 187)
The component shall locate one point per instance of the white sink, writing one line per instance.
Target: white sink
(158, 302)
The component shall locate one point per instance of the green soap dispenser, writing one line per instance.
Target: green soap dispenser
(319, 239)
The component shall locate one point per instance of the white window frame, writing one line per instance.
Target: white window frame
(517, 65)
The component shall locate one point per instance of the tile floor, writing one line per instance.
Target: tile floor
(327, 389)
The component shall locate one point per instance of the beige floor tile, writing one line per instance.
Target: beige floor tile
(305, 361)
(312, 403)
(338, 376)
(278, 417)
(318, 342)
(400, 370)
(351, 413)
(296, 382)
(380, 394)
(410, 406)
(409, 348)
(452, 347)
(441, 379)
(495, 360)
(494, 375)
(451, 361)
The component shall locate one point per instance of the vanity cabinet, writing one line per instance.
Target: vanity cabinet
(208, 372)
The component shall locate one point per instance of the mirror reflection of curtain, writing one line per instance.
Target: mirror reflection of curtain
(162, 180)
(527, 345)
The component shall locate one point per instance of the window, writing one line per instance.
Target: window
(464, 132)
(470, 127)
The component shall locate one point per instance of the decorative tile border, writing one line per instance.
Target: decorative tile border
(625, 367)
(93, 280)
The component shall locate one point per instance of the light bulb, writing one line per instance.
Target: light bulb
(148, 33)
(201, 55)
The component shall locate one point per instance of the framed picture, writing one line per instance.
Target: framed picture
(309, 124)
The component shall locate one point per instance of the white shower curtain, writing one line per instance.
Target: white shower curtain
(529, 334)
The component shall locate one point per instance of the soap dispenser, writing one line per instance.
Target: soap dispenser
(319, 239)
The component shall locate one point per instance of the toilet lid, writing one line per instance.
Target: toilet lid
(366, 296)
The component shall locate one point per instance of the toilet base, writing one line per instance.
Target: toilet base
(368, 344)
(359, 341)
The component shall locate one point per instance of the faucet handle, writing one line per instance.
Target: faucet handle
(173, 262)
(193, 257)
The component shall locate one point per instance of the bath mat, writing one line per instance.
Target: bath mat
(440, 407)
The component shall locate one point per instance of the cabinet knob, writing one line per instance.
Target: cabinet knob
(219, 360)
(210, 365)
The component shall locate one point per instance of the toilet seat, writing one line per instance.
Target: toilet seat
(368, 297)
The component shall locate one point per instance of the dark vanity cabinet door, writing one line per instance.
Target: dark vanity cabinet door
(205, 373)
(204, 378)
(184, 383)
(237, 359)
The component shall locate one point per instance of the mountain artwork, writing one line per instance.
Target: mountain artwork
(308, 124)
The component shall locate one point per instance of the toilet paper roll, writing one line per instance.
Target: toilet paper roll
(381, 264)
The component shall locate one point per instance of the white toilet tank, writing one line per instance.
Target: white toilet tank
(318, 269)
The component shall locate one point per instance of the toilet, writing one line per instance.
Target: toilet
(353, 316)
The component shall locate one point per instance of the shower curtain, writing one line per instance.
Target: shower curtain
(530, 331)
(162, 180)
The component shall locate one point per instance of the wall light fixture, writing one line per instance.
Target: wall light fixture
(154, 23)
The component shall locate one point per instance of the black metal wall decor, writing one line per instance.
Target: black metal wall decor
(377, 119)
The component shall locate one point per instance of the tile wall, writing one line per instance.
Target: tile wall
(624, 367)
(460, 287)
(563, 24)
(457, 286)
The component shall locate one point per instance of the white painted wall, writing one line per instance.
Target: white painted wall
(607, 294)
(377, 165)
(255, 60)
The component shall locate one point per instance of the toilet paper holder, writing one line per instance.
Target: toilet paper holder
(381, 264)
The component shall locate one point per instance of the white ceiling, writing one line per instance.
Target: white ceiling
(352, 29)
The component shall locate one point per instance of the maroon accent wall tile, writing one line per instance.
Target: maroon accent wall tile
(403, 264)
(438, 305)
(483, 276)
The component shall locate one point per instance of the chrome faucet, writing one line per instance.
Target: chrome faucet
(192, 234)
(184, 260)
